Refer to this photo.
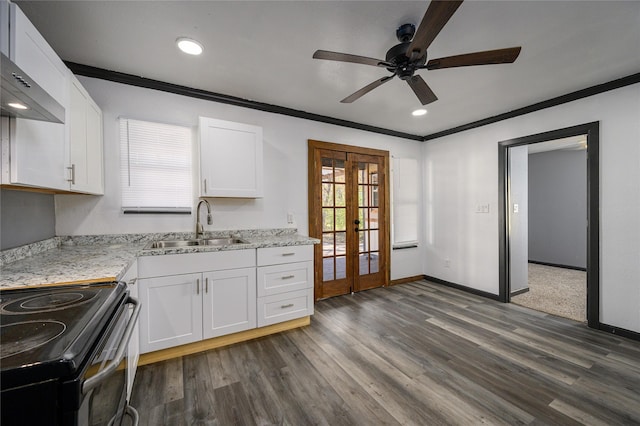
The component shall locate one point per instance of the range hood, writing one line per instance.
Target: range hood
(19, 88)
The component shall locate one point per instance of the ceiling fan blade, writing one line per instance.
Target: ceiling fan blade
(366, 89)
(437, 15)
(488, 57)
(422, 90)
(346, 57)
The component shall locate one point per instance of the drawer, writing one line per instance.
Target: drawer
(286, 254)
(276, 279)
(284, 307)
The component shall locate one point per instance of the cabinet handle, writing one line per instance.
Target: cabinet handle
(287, 277)
(198, 286)
(206, 285)
(205, 186)
(288, 305)
(73, 174)
(288, 254)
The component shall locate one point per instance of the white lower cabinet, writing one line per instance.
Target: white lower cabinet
(229, 303)
(214, 295)
(190, 297)
(171, 312)
(285, 284)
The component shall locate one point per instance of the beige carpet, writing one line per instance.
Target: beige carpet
(557, 291)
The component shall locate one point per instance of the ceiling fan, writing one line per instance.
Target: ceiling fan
(404, 59)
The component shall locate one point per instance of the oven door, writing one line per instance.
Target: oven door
(105, 383)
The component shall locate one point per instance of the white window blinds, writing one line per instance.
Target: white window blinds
(405, 202)
(155, 161)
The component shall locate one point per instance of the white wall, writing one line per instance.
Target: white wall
(285, 168)
(462, 170)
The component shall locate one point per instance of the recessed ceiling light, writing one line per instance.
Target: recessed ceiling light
(419, 112)
(190, 46)
(17, 105)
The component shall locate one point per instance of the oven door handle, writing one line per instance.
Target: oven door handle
(94, 381)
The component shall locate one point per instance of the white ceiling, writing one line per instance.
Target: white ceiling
(261, 50)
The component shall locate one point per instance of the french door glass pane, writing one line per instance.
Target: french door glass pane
(341, 219)
(327, 220)
(328, 247)
(373, 240)
(341, 243)
(362, 173)
(327, 170)
(327, 194)
(372, 223)
(340, 198)
(339, 171)
(364, 263)
(341, 267)
(328, 269)
(373, 258)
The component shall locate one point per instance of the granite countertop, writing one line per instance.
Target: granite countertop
(107, 257)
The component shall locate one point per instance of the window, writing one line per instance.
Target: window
(155, 167)
(405, 197)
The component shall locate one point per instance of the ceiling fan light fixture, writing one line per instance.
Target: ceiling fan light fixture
(189, 46)
(419, 112)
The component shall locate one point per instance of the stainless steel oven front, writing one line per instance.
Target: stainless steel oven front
(104, 389)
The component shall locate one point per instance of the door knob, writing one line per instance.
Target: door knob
(357, 222)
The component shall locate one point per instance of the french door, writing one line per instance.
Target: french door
(348, 211)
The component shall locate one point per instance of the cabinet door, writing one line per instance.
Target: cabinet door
(38, 149)
(171, 312)
(85, 141)
(37, 154)
(229, 302)
(230, 159)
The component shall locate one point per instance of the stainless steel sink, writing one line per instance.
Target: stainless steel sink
(190, 243)
(221, 241)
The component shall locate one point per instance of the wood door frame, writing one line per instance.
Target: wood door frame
(315, 220)
(592, 131)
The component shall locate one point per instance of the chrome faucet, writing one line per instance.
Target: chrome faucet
(199, 227)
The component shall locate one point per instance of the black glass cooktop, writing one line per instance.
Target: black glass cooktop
(48, 332)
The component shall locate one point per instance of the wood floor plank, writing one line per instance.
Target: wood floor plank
(412, 354)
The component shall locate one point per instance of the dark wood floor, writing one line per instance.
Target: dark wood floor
(416, 353)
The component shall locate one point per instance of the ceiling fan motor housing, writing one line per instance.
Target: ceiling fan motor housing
(403, 67)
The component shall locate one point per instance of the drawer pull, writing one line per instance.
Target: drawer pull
(288, 254)
(288, 277)
(288, 305)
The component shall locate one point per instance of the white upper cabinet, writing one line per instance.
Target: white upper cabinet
(85, 141)
(230, 159)
(37, 149)
(60, 157)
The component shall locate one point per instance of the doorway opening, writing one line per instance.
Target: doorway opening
(539, 268)
(349, 212)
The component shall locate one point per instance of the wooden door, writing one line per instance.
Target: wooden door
(348, 211)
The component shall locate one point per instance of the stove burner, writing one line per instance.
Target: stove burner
(27, 335)
(53, 301)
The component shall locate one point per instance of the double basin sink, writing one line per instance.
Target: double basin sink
(190, 243)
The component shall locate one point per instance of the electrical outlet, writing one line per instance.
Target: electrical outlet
(516, 208)
(447, 263)
(290, 218)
